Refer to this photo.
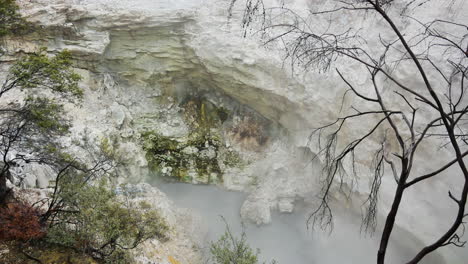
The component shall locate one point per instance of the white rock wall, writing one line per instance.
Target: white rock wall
(133, 52)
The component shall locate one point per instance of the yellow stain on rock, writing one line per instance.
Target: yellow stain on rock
(173, 260)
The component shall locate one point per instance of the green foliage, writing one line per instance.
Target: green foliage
(11, 21)
(232, 250)
(107, 147)
(200, 152)
(34, 125)
(167, 152)
(46, 81)
(104, 225)
(38, 70)
(233, 159)
(35, 252)
(46, 114)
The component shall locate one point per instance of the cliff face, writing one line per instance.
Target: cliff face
(178, 72)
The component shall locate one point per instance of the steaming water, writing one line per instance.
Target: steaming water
(287, 239)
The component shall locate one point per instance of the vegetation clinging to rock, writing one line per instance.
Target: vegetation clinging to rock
(83, 214)
(11, 21)
(34, 124)
(197, 157)
(198, 153)
(104, 226)
(20, 221)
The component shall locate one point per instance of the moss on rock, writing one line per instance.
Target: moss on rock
(195, 158)
(192, 159)
(232, 159)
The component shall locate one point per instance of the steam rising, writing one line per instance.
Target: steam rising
(287, 239)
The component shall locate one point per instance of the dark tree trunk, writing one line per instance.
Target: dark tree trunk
(390, 221)
(4, 190)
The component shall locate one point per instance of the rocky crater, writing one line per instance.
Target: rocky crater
(177, 92)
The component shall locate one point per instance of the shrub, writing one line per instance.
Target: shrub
(232, 250)
(19, 221)
(95, 221)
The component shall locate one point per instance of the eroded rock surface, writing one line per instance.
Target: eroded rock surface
(144, 61)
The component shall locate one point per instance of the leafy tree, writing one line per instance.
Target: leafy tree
(11, 21)
(31, 126)
(95, 221)
(83, 213)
